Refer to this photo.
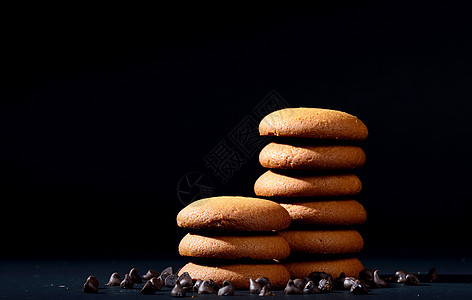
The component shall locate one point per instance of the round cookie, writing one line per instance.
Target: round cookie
(239, 274)
(323, 241)
(234, 213)
(300, 269)
(272, 184)
(283, 156)
(313, 123)
(234, 247)
(336, 212)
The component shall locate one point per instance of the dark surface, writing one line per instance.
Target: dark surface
(52, 279)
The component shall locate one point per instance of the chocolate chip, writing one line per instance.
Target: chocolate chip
(171, 280)
(254, 287)
(349, 282)
(379, 282)
(93, 280)
(292, 289)
(213, 284)
(263, 281)
(411, 279)
(178, 290)
(432, 275)
(205, 288)
(338, 282)
(166, 272)
(185, 281)
(197, 285)
(317, 276)
(311, 288)
(359, 288)
(148, 288)
(325, 285)
(300, 282)
(115, 280)
(227, 289)
(400, 276)
(90, 287)
(150, 274)
(133, 273)
(266, 291)
(127, 283)
(156, 282)
(368, 277)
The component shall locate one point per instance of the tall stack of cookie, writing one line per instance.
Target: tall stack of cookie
(233, 238)
(310, 174)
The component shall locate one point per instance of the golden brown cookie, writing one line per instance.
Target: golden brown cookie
(300, 269)
(313, 123)
(239, 274)
(234, 213)
(283, 156)
(336, 212)
(234, 247)
(323, 241)
(272, 184)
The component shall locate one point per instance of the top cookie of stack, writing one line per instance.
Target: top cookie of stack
(306, 141)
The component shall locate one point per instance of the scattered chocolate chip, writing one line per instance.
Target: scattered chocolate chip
(311, 288)
(300, 282)
(178, 290)
(432, 275)
(185, 281)
(379, 282)
(368, 277)
(359, 288)
(263, 281)
(254, 287)
(227, 289)
(400, 276)
(338, 282)
(171, 280)
(317, 276)
(133, 273)
(325, 285)
(166, 272)
(156, 282)
(150, 274)
(411, 279)
(205, 288)
(349, 282)
(90, 287)
(266, 291)
(197, 285)
(292, 289)
(213, 284)
(127, 283)
(115, 280)
(148, 288)
(93, 280)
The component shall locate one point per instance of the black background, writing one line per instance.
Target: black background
(108, 107)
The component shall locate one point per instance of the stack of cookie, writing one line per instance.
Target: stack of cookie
(233, 238)
(310, 174)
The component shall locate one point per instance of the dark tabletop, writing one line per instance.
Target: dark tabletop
(59, 279)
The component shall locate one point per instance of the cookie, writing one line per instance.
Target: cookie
(234, 247)
(300, 269)
(283, 156)
(342, 212)
(313, 123)
(323, 241)
(234, 213)
(272, 184)
(239, 274)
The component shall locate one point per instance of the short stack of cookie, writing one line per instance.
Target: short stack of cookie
(233, 238)
(310, 174)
